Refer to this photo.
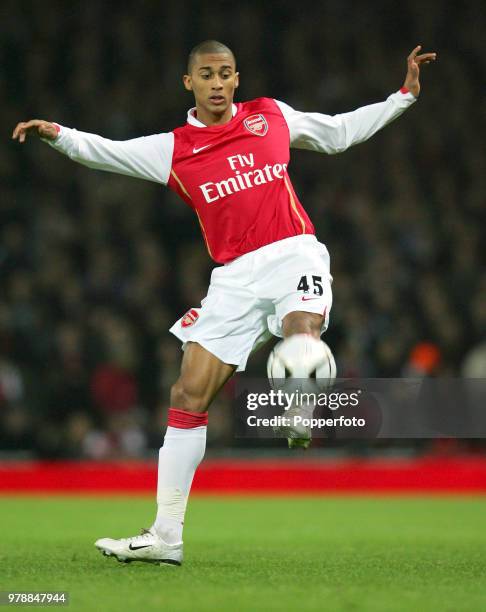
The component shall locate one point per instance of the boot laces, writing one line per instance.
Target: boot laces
(145, 534)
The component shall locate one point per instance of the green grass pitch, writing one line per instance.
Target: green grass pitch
(252, 554)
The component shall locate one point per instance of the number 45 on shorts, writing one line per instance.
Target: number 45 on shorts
(307, 281)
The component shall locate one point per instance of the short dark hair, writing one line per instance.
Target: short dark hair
(207, 46)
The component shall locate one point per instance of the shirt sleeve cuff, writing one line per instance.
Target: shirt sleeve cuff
(403, 97)
(59, 131)
(407, 93)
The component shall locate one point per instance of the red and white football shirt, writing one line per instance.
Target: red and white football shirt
(235, 175)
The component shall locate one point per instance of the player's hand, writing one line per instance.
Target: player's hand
(414, 62)
(37, 127)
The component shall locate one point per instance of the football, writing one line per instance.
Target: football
(304, 359)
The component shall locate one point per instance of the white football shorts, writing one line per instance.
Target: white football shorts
(249, 297)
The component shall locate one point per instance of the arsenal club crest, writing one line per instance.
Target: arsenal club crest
(256, 124)
(190, 318)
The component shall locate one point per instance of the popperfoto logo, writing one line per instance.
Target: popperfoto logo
(367, 408)
(299, 409)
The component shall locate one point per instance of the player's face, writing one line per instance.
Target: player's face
(213, 81)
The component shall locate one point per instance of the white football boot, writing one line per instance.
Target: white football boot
(298, 435)
(148, 547)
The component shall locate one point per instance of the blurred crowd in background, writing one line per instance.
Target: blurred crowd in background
(94, 268)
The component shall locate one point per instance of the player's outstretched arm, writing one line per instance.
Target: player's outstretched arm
(148, 157)
(334, 134)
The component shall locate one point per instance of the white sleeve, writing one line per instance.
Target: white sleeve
(333, 134)
(148, 157)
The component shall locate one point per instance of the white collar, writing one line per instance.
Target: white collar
(196, 123)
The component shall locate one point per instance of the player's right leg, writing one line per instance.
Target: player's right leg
(303, 298)
(305, 326)
(202, 376)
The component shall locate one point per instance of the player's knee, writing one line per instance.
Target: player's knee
(185, 397)
(302, 323)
